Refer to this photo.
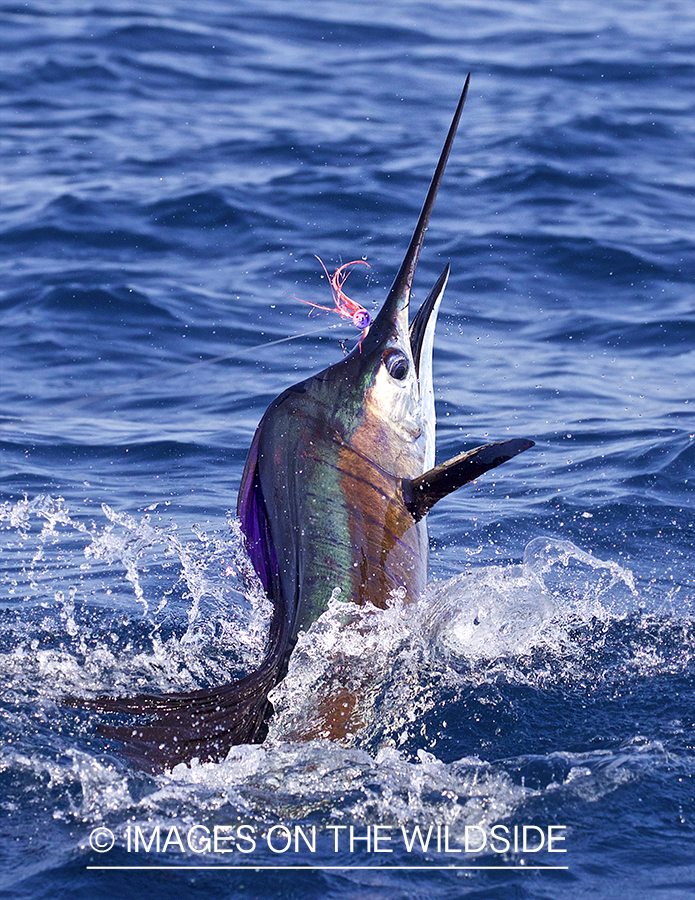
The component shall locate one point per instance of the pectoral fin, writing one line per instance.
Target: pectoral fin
(421, 493)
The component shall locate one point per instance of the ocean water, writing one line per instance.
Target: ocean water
(169, 172)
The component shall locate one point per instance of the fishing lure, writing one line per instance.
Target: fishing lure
(344, 306)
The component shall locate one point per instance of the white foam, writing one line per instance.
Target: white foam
(370, 670)
(98, 606)
(92, 600)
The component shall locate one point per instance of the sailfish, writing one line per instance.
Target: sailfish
(338, 481)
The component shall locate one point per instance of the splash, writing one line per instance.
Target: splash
(120, 602)
(380, 673)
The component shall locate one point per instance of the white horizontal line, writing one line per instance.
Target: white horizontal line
(325, 868)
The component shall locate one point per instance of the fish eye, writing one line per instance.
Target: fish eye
(396, 363)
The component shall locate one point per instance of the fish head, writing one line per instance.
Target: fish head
(380, 398)
(385, 388)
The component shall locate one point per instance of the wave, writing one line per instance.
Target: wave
(195, 599)
(477, 706)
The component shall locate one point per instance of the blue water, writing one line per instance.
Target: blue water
(170, 169)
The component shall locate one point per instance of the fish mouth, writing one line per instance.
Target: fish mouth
(425, 322)
(391, 328)
(398, 299)
(392, 320)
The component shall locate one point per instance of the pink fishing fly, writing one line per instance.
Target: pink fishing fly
(344, 306)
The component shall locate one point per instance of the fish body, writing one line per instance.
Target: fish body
(338, 480)
(323, 482)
